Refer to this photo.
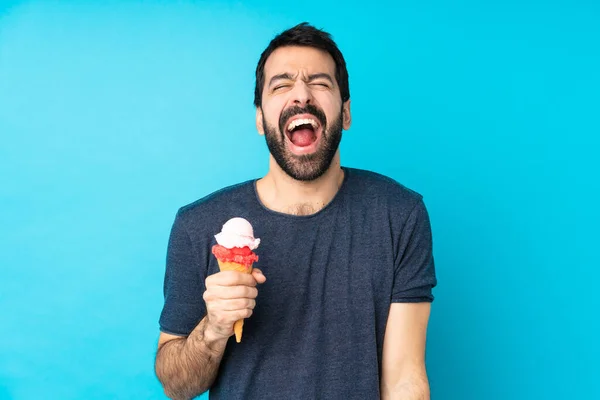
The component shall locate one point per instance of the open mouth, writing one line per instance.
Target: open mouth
(303, 131)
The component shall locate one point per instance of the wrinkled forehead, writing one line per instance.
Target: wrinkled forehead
(300, 60)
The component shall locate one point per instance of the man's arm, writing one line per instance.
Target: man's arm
(404, 376)
(187, 366)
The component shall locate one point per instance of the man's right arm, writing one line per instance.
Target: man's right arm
(187, 366)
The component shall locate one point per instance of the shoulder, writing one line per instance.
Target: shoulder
(373, 185)
(216, 204)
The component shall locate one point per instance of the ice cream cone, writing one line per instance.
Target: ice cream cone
(234, 252)
(245, 269)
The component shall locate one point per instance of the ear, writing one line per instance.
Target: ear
(346, 115)
(259, 121)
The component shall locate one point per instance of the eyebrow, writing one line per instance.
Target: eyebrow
(321, 75)
(286, 76)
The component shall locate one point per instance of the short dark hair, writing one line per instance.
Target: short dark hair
(303, 34)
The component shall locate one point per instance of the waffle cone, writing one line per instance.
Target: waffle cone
(245, 269)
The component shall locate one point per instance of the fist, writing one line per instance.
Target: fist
(230, 296)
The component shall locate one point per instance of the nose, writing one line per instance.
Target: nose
(301, 94)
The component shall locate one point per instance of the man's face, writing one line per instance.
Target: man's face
(302, 115)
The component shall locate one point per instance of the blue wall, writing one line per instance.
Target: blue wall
(112, 116)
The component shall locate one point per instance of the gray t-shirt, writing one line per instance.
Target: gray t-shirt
(318, 327)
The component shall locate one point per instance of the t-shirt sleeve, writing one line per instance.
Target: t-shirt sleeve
(414, 274)
(184, 285)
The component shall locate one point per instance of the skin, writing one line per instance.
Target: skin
(294, 77)
(187, 366)
(276, 189)
(404, 375)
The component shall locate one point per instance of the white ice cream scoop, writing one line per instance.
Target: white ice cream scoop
(237, 232)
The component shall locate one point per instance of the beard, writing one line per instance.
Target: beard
(305, 167)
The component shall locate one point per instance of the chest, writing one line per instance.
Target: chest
(336, 265)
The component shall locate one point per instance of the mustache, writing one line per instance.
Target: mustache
(295, 110)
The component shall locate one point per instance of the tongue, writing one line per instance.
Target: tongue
(303, 137)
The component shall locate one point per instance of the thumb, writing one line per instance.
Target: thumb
(258, 275)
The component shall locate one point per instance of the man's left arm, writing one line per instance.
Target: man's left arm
(404, 376)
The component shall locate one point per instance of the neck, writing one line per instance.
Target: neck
(279, 192)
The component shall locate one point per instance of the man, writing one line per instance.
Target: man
(347, 253)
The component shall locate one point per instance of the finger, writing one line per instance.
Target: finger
(258, 275)
(223, 319)
(233, 292)
(230, 278)
(237, 304)
(245, 313)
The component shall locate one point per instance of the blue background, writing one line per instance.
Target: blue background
(113, 115)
